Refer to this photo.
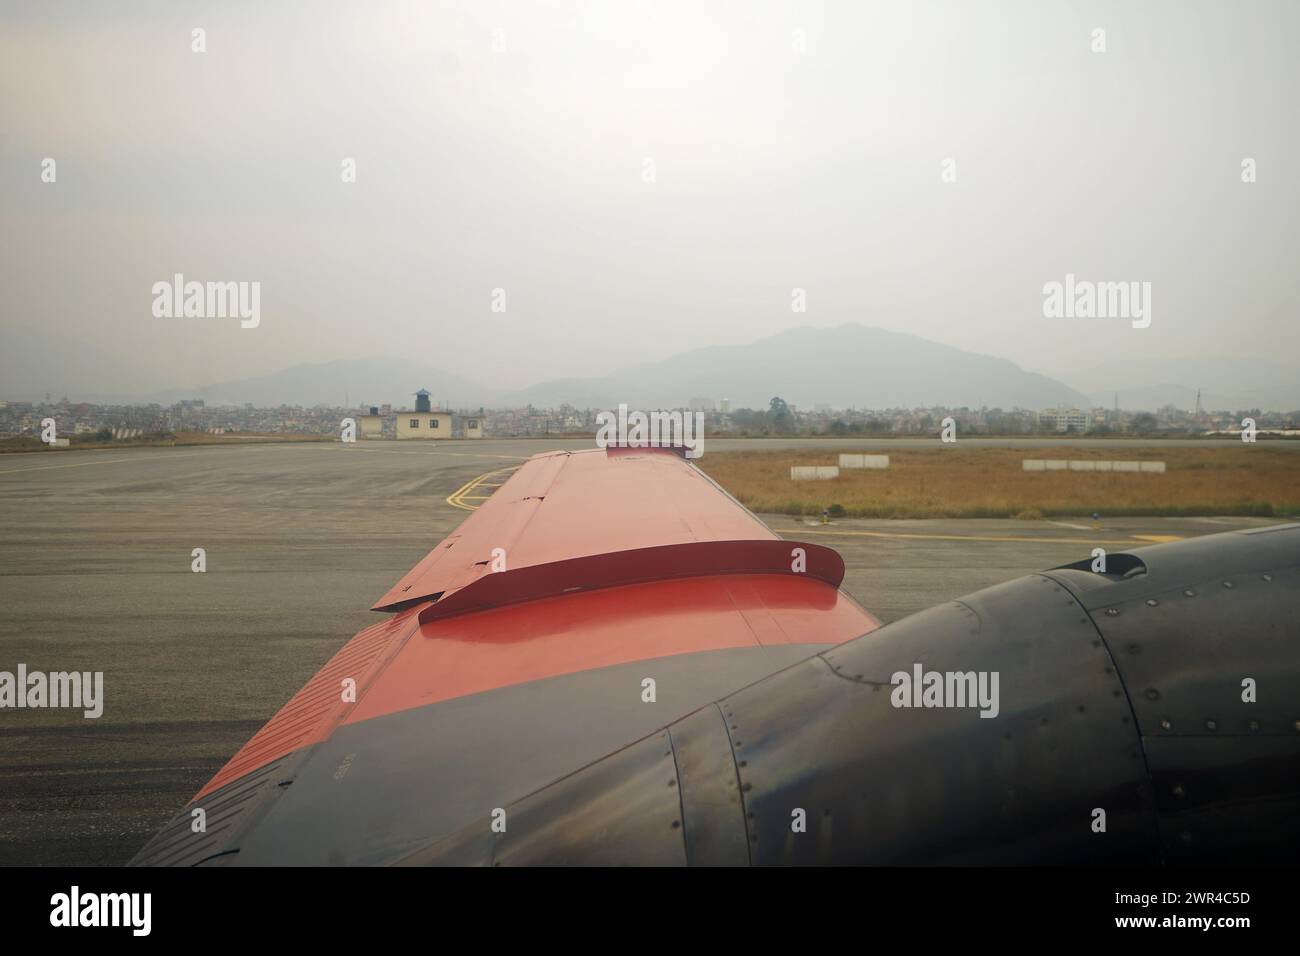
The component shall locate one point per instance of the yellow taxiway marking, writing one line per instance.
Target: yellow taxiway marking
(1024, 539)
(459, 497)
(1159, 538)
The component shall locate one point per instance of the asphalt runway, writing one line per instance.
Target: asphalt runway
(300, 539)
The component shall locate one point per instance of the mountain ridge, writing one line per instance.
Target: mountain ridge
(844, 366)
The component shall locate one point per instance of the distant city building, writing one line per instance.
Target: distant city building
(1064, 420)
(703, 405)
(423, 423)
(372, 425)
(87, 423)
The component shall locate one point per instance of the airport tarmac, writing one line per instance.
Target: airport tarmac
(300, 539)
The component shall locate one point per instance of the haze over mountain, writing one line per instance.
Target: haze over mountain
(1150, 398)
(346, 382)
(846, 366)
(849, 365)
(1225, 383)
(642, 179)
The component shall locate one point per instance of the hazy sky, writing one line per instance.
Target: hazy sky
(503, 145)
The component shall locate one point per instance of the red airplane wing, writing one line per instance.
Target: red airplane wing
(594, 598)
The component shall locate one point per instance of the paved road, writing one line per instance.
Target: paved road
(300, 539)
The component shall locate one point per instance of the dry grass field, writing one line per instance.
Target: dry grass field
(953, 482)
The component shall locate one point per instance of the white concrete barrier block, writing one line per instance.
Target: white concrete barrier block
(813, 472)
(864, 461)
(1062, 464)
